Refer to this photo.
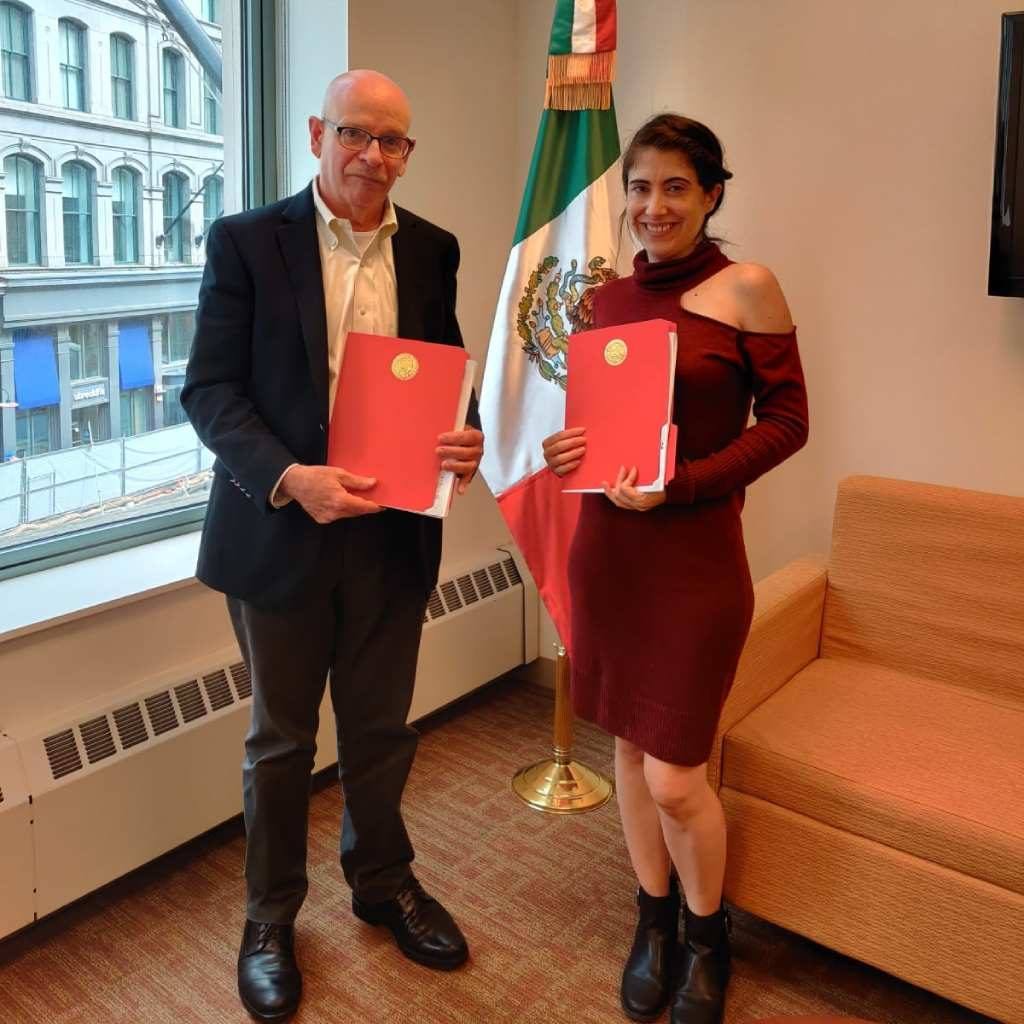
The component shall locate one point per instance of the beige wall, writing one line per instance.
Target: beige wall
(861, 136)
(457, 62)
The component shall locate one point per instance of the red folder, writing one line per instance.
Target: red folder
(394, 397)
(621, 382)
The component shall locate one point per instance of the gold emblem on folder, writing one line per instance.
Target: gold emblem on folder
(405, 366)
(615, 352)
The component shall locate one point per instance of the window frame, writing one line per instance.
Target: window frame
(258, 28)
(176, 220)
(69, 71)
(126, 82)
(173, 89)
(86, 218)
(208, 181)
(26, 13)
(129, 222)
(19, 159)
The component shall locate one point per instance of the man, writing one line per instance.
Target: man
(320, 580)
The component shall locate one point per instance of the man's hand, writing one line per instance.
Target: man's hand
(461, 451)
(623, 494)
(325, 492)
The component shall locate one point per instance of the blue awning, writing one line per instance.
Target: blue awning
(35, 370)
(135, 356)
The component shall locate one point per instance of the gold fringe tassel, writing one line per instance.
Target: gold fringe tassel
(580, 81)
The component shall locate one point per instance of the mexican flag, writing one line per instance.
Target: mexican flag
(566, 243)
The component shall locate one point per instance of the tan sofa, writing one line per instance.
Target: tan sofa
(871, 753)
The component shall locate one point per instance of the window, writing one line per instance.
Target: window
(90, 425)
(34, 432)
(79, 193)
(89, 351)
(122, 76)
(211, 107)
(64, 387)
(72, 63)
(136, 411)
(173, 412)
(178, 332)
(15, 52)
(174, 89)
(176, 240)
(37, 391)
(213, 201)
(22, 203)
(211, 11)
(126, 215)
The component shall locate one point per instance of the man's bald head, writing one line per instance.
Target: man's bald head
(361, 88)
(355, 182)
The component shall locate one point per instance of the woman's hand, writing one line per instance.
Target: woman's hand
(623, 494)
(564, 451)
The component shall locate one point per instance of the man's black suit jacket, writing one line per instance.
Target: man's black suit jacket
(256, 391)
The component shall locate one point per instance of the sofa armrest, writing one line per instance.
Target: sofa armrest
(785, 637)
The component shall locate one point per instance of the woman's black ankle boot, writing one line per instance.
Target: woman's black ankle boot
(646, 976)
(700, 995)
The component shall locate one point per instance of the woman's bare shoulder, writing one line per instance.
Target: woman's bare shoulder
(759, 300)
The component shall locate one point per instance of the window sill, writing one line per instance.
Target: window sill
(49, 597)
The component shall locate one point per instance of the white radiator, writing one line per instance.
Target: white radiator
(104, 787)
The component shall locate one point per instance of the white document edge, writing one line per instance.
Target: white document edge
(446, 478)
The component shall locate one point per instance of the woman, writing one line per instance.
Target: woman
(657, 634)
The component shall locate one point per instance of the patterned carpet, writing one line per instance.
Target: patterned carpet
(545, 901)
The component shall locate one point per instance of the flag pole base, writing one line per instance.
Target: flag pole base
(562, 787)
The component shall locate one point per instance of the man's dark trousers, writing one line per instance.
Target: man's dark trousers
(365, 636)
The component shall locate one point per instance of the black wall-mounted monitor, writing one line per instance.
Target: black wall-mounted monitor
(1006, 260)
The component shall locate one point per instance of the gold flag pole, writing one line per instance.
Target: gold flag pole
(561, 785)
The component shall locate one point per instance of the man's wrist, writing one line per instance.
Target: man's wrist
(282, 494)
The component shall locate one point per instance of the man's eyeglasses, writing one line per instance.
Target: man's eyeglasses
(395, 147)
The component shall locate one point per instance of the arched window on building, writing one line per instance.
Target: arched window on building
(72, 63)
(176, 233)
(126, 215)
(174, 89)
(79, 200)
(122, 76)
(213, 201)
(16, 51)
(23, 200)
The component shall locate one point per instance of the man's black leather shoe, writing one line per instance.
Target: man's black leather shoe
(423, 929)
(700, 996)
(269, 980)
(646, 986)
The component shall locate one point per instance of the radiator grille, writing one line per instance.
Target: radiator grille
(217, 690)
(161, 713)
(512, 570)
(467, 590)
(435, 605)
(96, 739)
(62, 753)
(190, 700)
(498, 576)
(451, 596)
(131, 729)
(242, 680)
(483, 583)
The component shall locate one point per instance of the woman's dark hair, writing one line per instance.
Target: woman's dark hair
(696, 141)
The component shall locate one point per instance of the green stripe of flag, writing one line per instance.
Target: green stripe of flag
(561, 30)
(574, 148)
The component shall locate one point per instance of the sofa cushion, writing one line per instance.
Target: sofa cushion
(933, 770)
(928, 580)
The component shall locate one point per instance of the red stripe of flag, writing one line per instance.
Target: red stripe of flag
(606, 26)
